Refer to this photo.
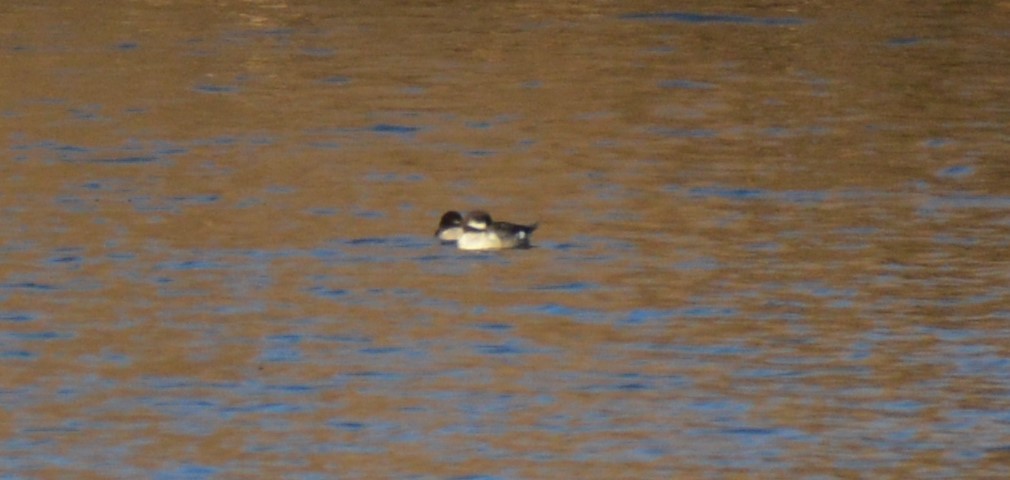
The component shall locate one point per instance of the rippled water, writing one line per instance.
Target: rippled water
(773, 240)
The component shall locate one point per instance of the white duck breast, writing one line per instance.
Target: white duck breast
(479, 240)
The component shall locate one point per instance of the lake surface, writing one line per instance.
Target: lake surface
(774, 240)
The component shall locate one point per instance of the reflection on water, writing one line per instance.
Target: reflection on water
(773, 241)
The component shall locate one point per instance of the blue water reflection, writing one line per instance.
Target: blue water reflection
(702, 19)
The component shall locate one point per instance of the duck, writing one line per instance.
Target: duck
(450, 227)
(480, 232)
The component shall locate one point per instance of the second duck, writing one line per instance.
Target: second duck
(480, 232)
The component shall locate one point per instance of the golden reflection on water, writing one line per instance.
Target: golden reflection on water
(766, 249)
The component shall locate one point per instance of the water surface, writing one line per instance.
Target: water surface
(773, 240)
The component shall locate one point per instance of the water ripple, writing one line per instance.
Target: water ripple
(702, 19)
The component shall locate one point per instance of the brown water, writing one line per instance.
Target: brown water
(773, 244)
